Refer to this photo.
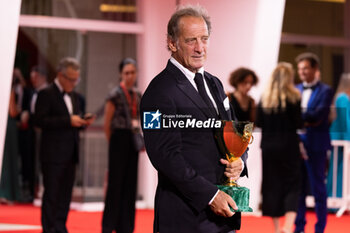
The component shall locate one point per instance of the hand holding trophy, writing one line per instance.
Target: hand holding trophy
(233, 139)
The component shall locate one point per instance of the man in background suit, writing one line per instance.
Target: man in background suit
(29, 134)
(315, 103)
(188, 160)
(57, 114)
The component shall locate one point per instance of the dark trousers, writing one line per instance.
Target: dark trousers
(314, 171)
(58, 179)
(119, 211)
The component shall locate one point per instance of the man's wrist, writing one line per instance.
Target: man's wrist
(242, 164)
(213, 197)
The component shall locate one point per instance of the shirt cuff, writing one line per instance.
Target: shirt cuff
(213, 197)
(242, 164)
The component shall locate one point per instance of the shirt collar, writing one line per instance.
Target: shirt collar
(59, 85)
(313, 83)
(43, 86)
(189, 74)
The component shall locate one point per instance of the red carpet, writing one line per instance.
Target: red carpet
(90, 222)
(78, 222)
(264, 224)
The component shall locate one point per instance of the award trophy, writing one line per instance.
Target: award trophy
(233, 139)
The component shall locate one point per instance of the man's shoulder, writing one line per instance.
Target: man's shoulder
(209, 75)
(162, 80)
(48, 90)
(77, 95)
(161, 88)
(325, 87)
(213, 78)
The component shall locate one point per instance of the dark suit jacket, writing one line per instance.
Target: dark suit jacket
(187, 160)
(59, 140)
(317, 132)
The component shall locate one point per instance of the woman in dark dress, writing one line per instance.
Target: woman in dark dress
(279, 117)
(243, 79)
(121, 120)
(10, 173)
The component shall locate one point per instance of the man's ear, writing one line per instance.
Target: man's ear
(171, 45)
(59, 73)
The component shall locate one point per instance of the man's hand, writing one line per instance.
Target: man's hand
(89, 118)
(221, 205)
(303, 152)
(233, 170)
(77, 121)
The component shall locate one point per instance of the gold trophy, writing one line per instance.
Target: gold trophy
(233, 139)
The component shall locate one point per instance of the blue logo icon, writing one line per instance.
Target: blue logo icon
(151, 120)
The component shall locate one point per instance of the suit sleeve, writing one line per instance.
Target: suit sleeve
(164, 148)
(44, 117)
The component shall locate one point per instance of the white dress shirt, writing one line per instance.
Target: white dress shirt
(66, 97)
(307, 94)
(190, 76)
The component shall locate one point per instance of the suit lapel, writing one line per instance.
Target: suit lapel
(186, 87)
(190, 92)
(75, 103)
(314, 94)
(60, 98)
(215, 93)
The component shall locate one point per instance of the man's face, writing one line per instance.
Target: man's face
(34, 78)
(37, 79)
(69, 79)
(190, 49)
(306, 72)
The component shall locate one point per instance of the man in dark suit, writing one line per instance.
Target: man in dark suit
(57, 114)
(186, 156)
(315, 103)
(29, 134)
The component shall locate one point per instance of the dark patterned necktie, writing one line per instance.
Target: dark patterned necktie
(198, 79)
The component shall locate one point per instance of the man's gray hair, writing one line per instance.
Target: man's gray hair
(68, 62)
(182, 11)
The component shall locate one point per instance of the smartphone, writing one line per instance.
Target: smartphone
(88, 116)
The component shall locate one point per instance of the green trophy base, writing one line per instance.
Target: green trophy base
(240, 195)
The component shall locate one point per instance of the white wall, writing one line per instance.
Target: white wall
(152, 58)
(9, 17)
(244, 33)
